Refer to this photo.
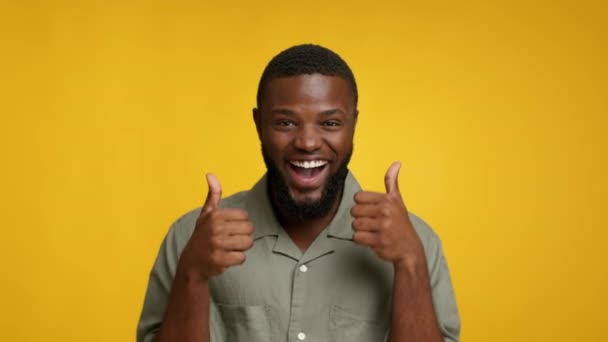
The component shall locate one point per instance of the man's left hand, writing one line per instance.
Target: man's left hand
(381, 222)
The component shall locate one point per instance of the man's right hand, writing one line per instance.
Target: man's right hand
(220, 238)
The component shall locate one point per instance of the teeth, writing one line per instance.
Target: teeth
(309, 164)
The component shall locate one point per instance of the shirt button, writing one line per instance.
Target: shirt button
(303, 269)
(301, 336)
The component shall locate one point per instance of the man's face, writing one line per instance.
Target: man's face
(306, 125)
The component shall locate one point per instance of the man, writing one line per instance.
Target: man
(305, 255)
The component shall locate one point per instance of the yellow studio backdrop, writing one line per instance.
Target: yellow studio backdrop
(113, 111)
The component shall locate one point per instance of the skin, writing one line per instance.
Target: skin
(220, 238)
(381, 222)
(305, 117)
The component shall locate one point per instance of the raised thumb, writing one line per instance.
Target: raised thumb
(215, 193)
(391, 180)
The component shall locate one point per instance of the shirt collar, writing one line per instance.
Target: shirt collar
(265, 223)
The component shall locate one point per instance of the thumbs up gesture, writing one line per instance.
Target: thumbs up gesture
(381, 222)
(220, 238)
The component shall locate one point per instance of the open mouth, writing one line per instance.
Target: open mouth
(308, 173)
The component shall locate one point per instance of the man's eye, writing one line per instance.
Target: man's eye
(285, 123)
(331, 123)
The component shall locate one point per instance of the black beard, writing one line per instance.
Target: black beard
(278, 191)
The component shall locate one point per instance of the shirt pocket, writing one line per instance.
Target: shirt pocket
(352, 326)
(247, 323)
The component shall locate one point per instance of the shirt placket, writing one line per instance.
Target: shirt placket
(304, 269)
(297, 332)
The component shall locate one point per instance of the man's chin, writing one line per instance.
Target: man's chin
(306, 201)
(306, 196)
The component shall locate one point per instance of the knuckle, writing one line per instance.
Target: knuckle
(358, 237)
(385, 224)
(235, 258)
(249, 227)
(216, 228)
(216, 257)
(215, 241)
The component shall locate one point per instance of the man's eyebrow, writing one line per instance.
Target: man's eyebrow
(332, 111)
(290, 112)
(283, 111)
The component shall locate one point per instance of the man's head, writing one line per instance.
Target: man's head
(306, 117)
(306, 59)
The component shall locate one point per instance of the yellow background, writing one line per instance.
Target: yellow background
(112, 112)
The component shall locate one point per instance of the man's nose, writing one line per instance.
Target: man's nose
(308, 138)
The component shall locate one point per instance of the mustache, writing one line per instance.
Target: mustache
(283, 202)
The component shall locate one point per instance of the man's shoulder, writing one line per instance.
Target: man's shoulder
(425, 232)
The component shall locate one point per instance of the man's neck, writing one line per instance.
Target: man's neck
(304, 231)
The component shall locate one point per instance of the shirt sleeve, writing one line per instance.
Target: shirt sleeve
(444, 300)
(159, 288)
(160, 283)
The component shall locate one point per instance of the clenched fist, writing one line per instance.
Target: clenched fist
(381, 222)
(220, 238)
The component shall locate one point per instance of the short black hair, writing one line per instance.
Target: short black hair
(306, 59)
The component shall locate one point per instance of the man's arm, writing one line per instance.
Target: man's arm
(187, 317)
(176, 302)
(218, 241)
(423, 307)
(413, 316)
(423, 294)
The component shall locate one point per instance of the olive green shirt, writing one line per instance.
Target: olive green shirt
(334, 291)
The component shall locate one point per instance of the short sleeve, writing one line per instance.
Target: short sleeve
(159, 287)
(161, 280)
(444, 300)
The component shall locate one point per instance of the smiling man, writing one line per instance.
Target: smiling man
(305, 255)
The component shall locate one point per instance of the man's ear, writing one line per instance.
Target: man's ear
(257, 119)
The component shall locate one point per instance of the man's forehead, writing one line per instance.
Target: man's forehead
(308, 87)
(307, 78)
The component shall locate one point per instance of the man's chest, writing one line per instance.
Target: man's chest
(341, 289)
